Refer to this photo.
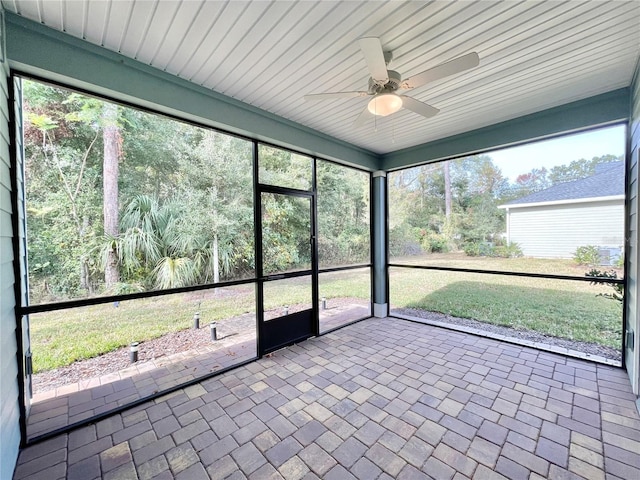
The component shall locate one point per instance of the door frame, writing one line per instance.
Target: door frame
(261, 324)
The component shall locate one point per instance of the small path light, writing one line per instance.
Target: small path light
(214, 332)
(196, 320)
(286, 310)
(324, 303)
(133, 352)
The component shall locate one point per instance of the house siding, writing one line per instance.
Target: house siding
(632, 356)
(9, 406)
(555, 231)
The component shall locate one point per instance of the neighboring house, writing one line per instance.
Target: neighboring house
(553, 222)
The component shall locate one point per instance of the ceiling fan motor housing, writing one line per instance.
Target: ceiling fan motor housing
(391, 86)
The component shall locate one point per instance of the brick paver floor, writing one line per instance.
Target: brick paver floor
(76, 402)
(379, 399)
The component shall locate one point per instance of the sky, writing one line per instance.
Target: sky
(560, 151)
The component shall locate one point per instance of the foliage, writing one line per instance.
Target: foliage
(618, 288)
(434, 242)
(509, 250)
(487, 249)
(587, 255)
(418, 213)
(581, 168)
(185, 202)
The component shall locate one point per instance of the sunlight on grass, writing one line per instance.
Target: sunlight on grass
(565, 309)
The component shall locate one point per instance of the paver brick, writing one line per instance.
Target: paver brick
(88, 450)
(455, 459)
(293, 469)
(152, 450)
(249, 432)
(248, 458)
(484, 452)
(493, 432)
(349, 452)
(181, 457)
(115, 456)
(338, 472)
(365, 469)
(266, 472)
(436, 469)
(283, 451)
(552, 451)
(217, 450)
(585, 470)
(329, 441)
(317, 459)
(194, 472)
(84, 469)
(386, 459)
(222, 468)
(309, 432)
(152, 468)
(123, 472)
(511, 469)
(431, 432)
(265, 440)
(528, 460)
(190, 431)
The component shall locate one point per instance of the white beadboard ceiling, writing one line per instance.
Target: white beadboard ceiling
(533, 54)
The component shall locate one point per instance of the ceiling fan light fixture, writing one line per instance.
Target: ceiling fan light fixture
(385, 104)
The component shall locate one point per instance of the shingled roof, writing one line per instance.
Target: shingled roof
(607, 182)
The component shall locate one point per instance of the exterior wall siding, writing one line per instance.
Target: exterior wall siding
(632, 355)
(9, 407)
(556, 231)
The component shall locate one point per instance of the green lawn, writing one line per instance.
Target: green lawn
(566, 309)
(59, 338)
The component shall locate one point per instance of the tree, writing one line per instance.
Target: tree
(578, 169)
(531, 182)
(111, 147)
(62, 168)
(447, 190)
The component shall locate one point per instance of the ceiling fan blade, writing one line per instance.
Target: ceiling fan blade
(374, 56)
(334, 95)
(418, 107)
(451, 67)
(363, 117)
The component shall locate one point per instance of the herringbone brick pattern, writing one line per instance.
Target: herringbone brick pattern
(380, 399)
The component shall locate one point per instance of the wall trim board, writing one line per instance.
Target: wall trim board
(44, 52)
(606, 108)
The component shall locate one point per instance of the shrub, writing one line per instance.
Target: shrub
(436, 243)
(478, 249)
(618, 288)
(587, 255)
(510, 250)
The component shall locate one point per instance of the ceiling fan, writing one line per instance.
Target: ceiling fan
(384, 84)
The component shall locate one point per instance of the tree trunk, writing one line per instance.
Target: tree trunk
(110, 138)
(216, 260)
(447, 190)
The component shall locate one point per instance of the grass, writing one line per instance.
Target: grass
(550, 266)
(565, 309)
(61, 337)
